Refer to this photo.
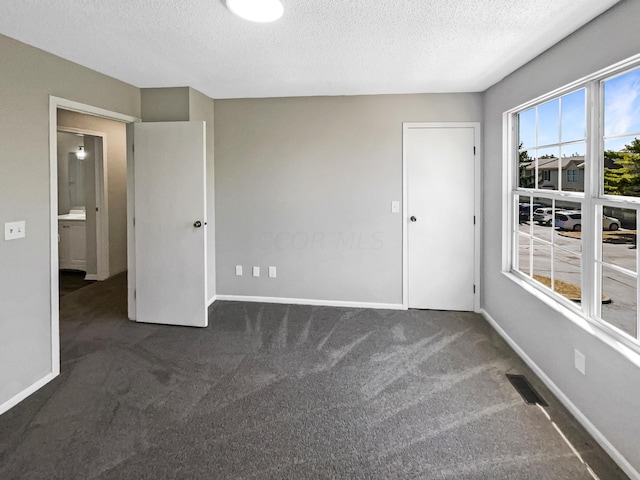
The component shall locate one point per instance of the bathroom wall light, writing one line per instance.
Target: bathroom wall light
(81, 154)
(257, 10)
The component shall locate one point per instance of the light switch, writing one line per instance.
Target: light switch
(239, 270)
(395, 206)
(272, 272)
(13, 230)
(256, 271)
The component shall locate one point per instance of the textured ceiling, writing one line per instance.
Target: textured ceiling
(319, 47)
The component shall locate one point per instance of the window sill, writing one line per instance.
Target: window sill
(614, 340)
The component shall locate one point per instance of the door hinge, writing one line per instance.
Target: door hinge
(474, 150)
(135, 293)
(133, 147)
(134, 221)
(474, 289)
(474, 219)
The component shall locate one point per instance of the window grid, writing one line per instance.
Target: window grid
(530, 240)
(592, 202)
(560, 145)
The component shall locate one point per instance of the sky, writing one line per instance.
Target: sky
(563, 119)
(622, 109)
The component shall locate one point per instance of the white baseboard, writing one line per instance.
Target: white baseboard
(584, 421)
(12, 402)
(91, 276)
(305, 301)
(211, 300)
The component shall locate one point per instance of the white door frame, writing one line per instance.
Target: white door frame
(54, 104)
(476, 208)
(102, 204)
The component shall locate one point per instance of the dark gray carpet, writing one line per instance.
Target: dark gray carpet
(292, 392)
(71, 280)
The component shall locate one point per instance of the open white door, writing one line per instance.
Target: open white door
(170, 223)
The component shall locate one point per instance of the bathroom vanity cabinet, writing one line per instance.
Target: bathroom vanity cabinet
(73, 244)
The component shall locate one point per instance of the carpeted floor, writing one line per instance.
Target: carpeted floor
(71, 280)
(286, 392)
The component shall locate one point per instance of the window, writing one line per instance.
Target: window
(582, 250)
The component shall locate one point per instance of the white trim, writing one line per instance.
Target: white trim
(16, 399)
(91, 110)
(306, 301)
(54, 104)
(508, 125)
(102, 202)
(102, 222)
(131, 229)
(617, 457)
(405, 215)
(91, 276)
(205, 222)
(477, 210)
(53, 241)
(211, 301)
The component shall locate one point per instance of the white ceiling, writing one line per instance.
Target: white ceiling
(319, 47)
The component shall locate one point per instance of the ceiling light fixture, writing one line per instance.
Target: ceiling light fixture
(81, 154)
(262, 11)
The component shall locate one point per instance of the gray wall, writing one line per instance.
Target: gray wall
(306, 184)
(165, 104)
(116, 180)
(609, 395)
(28, 77)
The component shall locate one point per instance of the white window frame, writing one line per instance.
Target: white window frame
(593, 200)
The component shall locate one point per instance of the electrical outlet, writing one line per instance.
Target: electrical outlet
(239, 270)
(580, 362)
(256, 271)
(395, 206)
(272, 272)
(13, 230)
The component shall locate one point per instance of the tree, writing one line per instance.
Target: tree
(527, 179)
(622, 170)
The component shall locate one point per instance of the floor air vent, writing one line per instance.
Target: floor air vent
(524, 388)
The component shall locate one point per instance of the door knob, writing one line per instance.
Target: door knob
(413, 219)
(197, 224)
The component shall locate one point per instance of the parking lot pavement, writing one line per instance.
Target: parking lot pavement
(617, 286)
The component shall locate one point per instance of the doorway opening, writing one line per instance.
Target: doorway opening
(90, 210)
(92, 216)
(83, 207)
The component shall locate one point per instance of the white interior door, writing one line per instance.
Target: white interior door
(170, 223)
(440, 181)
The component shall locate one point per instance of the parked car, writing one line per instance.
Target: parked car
(610, 223)
(544, 216)
(525, 210)
(573, 221)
